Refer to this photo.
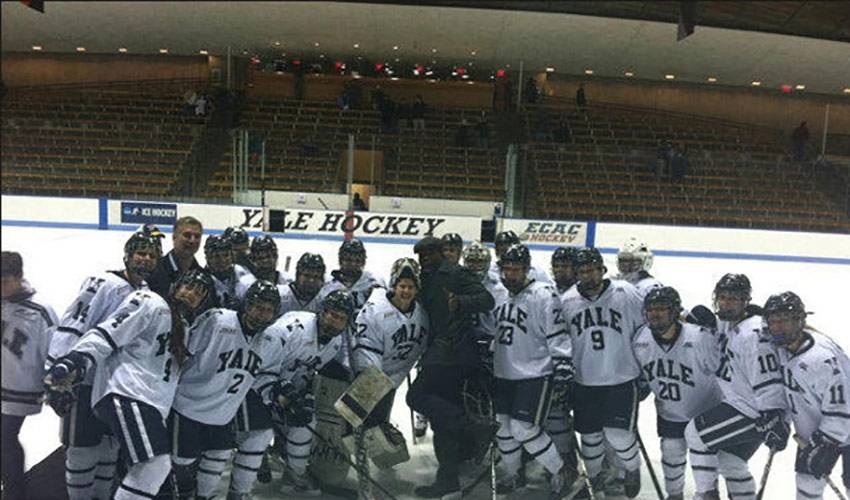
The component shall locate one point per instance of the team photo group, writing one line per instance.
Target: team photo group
(172, 378)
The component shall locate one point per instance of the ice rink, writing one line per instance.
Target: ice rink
(56, 261)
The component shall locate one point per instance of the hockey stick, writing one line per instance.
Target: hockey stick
(352, 463)
(802, 443)
(765, 473)
(649, 466)
(412, 417)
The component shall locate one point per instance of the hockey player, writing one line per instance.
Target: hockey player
(753, 401)
(28, 325)
(264, 264)
(90, 453)
(634, 260)
(351, 276)
(229, 352)
(225, 274)
(816, 375)
(303, 293)
(678, 361)
(136, 353)
(452, 247)
(311, 340)
(563, 271)
(603, 316)
(531, 362)
(238, 238)
(151, 230)
(503, 241)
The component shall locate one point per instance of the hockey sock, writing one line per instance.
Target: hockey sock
(105, 471)
(186, 476)
(210, 469)
(625, 445)
(144, 479)
(704, 468)
(80, 464)
(538, 444)
(739, 482)
(509, 448)
(298, 443)
(674, 459)
(592, 452)
(557, 429)
(249, 456)
(809, 486)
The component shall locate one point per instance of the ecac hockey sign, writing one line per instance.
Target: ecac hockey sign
(566, 233)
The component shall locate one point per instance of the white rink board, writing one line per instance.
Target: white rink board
(56, 261)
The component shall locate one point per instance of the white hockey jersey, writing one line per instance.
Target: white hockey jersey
(681, 374)
(248, 279)
(484, 324)
(602, 331)
(642, 280)
(817, 380)
(225, 290)
(389, 339)
(749, 374)
(360, 291)
(130, 352)
(534, 273)
(303, 356)
(28, 326)
(531, 333)
(289, 300)
(224, 364)
(99, 297)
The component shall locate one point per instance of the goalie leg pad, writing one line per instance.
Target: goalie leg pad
(367, 390)
(384, 444)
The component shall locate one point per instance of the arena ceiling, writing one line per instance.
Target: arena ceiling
(607, 38)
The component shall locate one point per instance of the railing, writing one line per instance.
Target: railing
(159, 84)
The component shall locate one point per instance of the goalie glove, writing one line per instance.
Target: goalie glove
(820, 455)
(774, 429)
(291, 405)
(702, 316)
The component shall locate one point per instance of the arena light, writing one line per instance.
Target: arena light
(394, 78)
(36, 47)
(81, 49)
(433, 51)
(629, 74)
(356, 45)
(755, 83)
(473, 53)
(277, 44)
(122, 50)
(711, 79)
(316, 44)
(588, 71)
(163, 51)
(203, 52)
(395, 47)
(800, 87)
(550, 69)
(470, 82)
(669, 77)
(846, 90)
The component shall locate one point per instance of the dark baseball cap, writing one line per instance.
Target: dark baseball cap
(427, 244)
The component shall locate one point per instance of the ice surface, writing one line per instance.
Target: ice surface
(57, 260)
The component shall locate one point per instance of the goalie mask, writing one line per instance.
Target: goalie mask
(634, 257)
(476, 258)
(784, 318)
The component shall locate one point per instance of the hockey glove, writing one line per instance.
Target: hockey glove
(702, 316)
(774, 429)
(300, 411)
(821, 455)
(562, 379)
(61, 381)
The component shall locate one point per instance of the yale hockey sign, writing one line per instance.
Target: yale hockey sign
(367, 223)
(547, 232)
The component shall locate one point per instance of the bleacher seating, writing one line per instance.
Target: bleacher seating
(95, 142)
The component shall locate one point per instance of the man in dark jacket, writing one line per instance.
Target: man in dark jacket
(451, 295)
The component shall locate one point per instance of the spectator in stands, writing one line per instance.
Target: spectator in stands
(298, 82)
(358, 204)
(418, 114)
(581, 98)
(186, 239)
(189, 100)
(800, 137)
(403, 112)
(378, 98)
(482, 129)
(562, 132)
(462, 135)
(531, 92)
(201, 105)
(662, 159)
(342, 101)
(543, 130)
(679, 163)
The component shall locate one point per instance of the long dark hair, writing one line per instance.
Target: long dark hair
(177, 340)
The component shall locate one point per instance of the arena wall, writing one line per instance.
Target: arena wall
(740, 244)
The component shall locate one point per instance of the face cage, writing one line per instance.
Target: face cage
(743, 297)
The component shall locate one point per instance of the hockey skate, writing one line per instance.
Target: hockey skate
(264, 475)
(708, 495)
(420, 425)
(441, 488)
(568, 485)
(299, 484)
(631, 484)
(506, 485)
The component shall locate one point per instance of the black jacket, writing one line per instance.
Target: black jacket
(166, 272)
(450, 341)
